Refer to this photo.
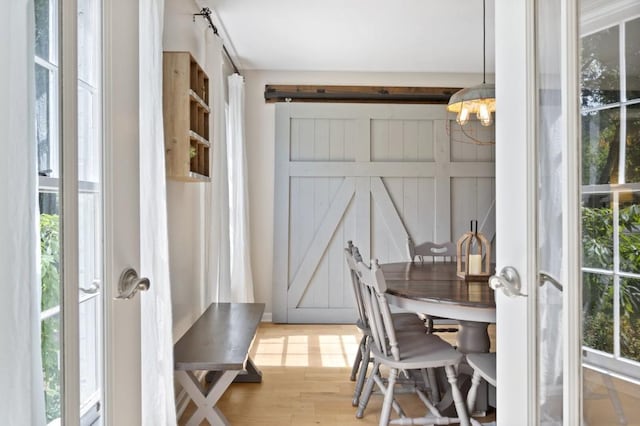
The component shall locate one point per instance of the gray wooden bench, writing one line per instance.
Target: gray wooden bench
(218, 342)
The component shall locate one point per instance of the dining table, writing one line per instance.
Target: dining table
(434, 288)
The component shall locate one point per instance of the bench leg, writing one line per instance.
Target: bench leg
(253, 374)
(206, 398)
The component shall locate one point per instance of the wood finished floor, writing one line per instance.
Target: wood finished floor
(305, 380)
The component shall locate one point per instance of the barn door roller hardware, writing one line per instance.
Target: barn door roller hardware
(357, 94)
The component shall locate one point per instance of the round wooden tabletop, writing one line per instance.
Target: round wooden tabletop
(436, 283)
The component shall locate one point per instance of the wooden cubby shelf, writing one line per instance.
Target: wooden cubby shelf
(186, 118)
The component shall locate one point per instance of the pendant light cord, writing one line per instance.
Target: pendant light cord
(484, 43)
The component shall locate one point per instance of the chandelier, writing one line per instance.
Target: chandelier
(480, 99)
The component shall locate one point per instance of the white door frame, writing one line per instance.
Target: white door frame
(516, 212)
(122, 376)
(70, 377)
(515, 204)
(572, 217)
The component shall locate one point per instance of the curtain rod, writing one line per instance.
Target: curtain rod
(206, 14)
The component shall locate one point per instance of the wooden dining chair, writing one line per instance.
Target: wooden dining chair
(401, 352)
(403, 321)
(438, 252)
(484, 367)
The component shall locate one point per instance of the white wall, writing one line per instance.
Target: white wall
(260, 134)
(185, 201)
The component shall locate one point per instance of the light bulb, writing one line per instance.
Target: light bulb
(484, 115)
(463, 116)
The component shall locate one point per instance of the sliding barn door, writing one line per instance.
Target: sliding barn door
(373, 174)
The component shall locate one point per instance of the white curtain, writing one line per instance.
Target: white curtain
(218, 288)
(158, 401)
(241, 277)
(550, 169)
(21, 382)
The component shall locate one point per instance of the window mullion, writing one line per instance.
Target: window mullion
(623, 109)
(607, 188)
(54, 126)
(616, 272)
(598, 108)
(44, 63)
(623, 63)
(54, 10)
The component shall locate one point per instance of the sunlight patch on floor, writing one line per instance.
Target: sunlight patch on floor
(328, 350)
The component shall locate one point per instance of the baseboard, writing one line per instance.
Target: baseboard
(267, 317)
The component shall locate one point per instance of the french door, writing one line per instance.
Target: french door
(86, 107)
(566, 211)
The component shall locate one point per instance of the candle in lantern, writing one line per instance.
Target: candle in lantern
(475, 264)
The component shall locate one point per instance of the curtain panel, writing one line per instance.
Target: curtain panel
(21, 381)
(241, 276)
(217, 245)
(158, 401)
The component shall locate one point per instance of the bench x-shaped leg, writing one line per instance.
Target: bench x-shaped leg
(206, 398)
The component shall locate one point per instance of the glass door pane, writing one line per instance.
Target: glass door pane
(610, 105)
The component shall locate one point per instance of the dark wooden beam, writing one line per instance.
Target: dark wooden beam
(358, 94)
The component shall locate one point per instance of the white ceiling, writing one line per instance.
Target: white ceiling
(357, 35)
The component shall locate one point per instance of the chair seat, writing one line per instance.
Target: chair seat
(402, 323)
(428, 351)
(485, 364)
(402, 320)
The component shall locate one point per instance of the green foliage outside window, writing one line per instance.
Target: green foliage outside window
(597, 244)
(50, 270)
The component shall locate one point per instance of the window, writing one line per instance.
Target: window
(611, 197)
(89, 200)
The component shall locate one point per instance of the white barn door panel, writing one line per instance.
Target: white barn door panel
(374, 174)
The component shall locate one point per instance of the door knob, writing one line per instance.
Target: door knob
(130, 283)
(508, 280)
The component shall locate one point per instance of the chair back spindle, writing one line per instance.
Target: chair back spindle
(380, 319)
(351, 255)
